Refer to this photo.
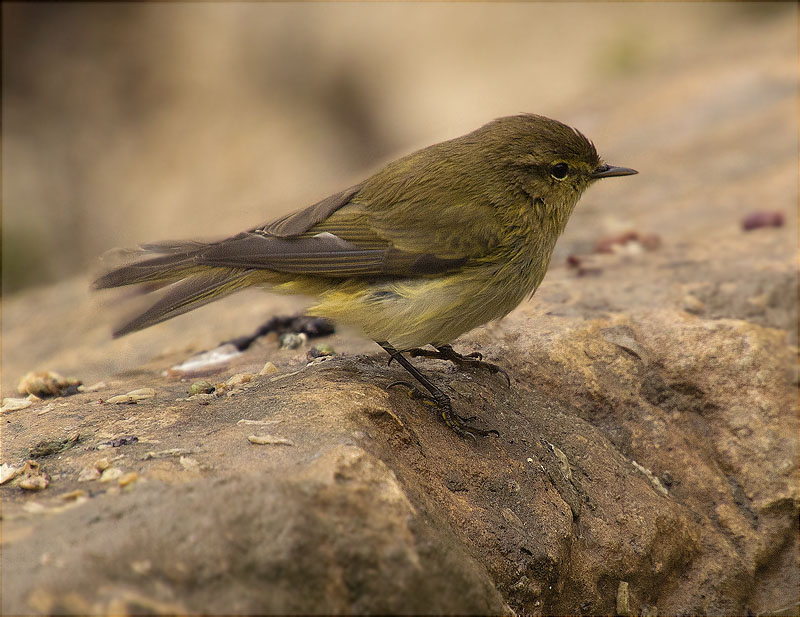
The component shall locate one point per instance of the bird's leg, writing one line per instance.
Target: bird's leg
(472, 360)
(456, 422)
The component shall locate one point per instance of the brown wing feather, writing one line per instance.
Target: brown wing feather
(295, 223)
(321, 255)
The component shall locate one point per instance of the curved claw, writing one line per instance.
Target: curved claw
(460, 425)
(503, 373)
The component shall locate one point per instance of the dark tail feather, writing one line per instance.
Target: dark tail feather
(184, 296)
(174, 262)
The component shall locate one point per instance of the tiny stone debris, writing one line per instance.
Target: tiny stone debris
(269, 440)
(628, 242)
(8, 473)
(623, 600)
(73, 495)
(47, 383)
(31, 477)
(762, 218)
(96, 387)
(15, 404)
(167, 453)
(128, 478)
(111, 474)
(269, 369)
(201, 387)
(88, 474)
(292, 340)
(124, 440)
(188, 463)
(322, 350)
(53, 446)
(132, 397)
(653, 479)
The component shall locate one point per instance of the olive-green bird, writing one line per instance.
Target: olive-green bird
(432, 245)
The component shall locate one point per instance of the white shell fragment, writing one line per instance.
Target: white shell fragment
(15, 404)
(206, 361)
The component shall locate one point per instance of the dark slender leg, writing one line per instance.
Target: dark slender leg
(439, 398)
(473, 360)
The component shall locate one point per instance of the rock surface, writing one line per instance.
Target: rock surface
(647, 459)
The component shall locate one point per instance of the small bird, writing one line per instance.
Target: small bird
(431, 246)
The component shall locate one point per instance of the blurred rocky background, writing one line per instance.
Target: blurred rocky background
(647, 458)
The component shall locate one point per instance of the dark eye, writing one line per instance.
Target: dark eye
(559, 171)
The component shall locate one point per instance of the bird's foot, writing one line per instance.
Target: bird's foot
(460, 424)
(472, 360)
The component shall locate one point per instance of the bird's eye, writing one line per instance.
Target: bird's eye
(559, 171)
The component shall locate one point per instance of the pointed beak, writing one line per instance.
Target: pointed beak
(609, 171)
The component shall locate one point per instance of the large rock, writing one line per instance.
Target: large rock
(648, 452)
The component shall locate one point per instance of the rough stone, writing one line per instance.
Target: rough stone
(647, 461)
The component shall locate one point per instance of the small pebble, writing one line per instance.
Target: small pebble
(321, 350)
(34, 482)
(102, 464)
(257, 422)
(239, 379)
(95, 387)
(633, 241)
(166, 453)
(124, 440)
(292, 340)
(762, 218)
(132, 397)
(623, 599)
(201, 387)
(653, 479)
(8, 472)
(189, 464)
(574, 262)
(111, 474)
(606, 244)
(141, 567)
(511, 517)
(76, 494)
(47, 383)
(128, 478)
(15, 404)
(267, 440)
(53, 446)
(269, 369)
(563, 461)
(88, 474)
(692, 304)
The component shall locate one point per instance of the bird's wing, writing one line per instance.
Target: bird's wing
(323, 254)
(296, 223)
(333, 238)
(348, 235)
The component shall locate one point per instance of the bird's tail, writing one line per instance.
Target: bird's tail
(188, 284)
